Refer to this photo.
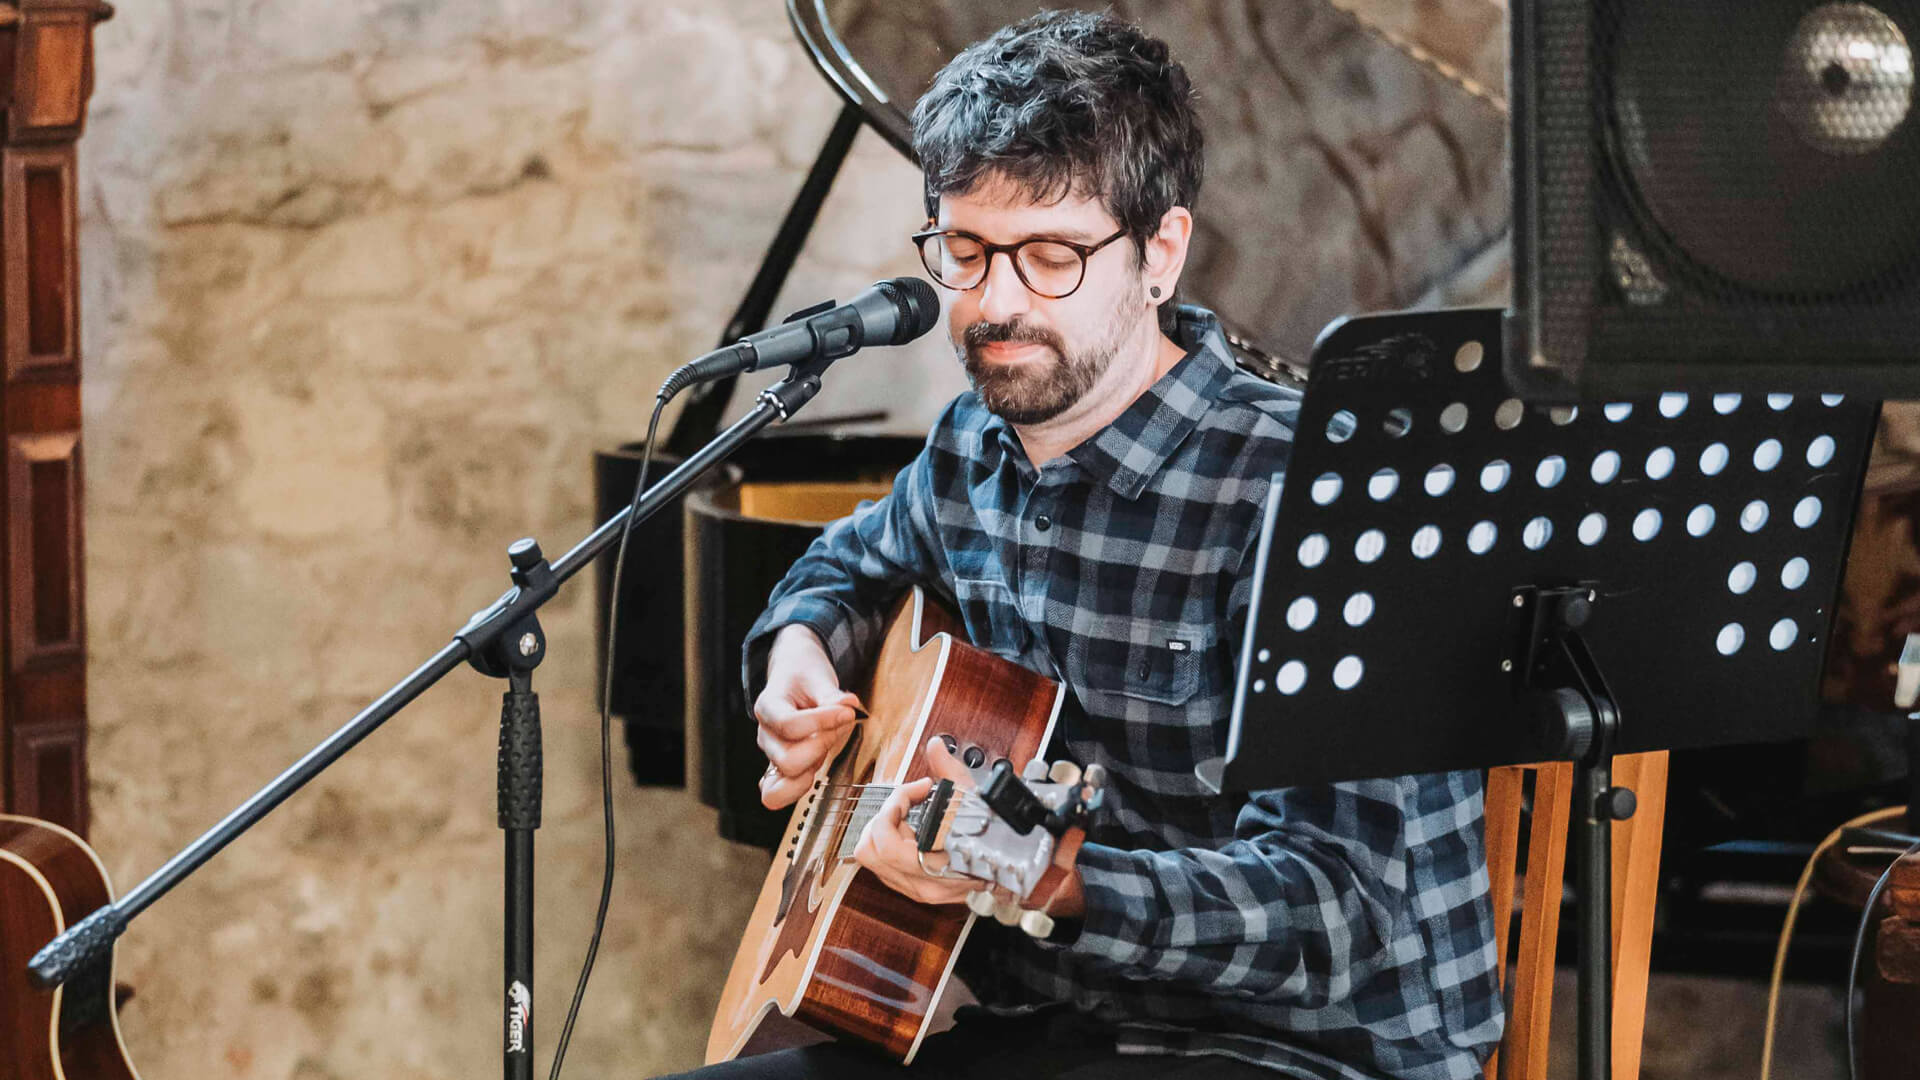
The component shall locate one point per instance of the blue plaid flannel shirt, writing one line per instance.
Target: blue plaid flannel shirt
(1335, 932)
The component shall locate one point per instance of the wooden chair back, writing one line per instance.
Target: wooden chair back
(1528, 979)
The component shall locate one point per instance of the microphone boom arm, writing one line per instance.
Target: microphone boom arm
(86, 940)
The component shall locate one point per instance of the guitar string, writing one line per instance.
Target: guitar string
(824, 821)
(868, 802)
(833, 797)
(856, 787)
(832, 821)
(828, 821)
(841, 813)
(835, 814)
(836, 803)
(913, 817)
(883, 790)
(878, 798)
(842, 848)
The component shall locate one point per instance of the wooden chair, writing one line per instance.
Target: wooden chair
(1528, 981)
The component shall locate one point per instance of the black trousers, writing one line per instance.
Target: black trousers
(1057, 1044)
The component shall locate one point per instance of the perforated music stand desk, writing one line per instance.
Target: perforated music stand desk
(1450, 579)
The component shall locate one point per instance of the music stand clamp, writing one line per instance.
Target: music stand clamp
(1449, 578)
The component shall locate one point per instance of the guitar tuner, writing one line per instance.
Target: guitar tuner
(1013, 801)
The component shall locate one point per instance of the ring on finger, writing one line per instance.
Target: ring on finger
(929, 871)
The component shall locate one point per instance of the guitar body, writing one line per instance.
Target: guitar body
(49, 878)
(828, 944)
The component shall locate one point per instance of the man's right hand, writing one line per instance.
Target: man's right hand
(804, 716)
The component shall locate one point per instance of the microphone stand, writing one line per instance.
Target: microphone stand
(502, 641)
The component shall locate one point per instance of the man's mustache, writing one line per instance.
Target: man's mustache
(1016, 332)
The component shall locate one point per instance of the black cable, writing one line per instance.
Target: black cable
(1860, 946)
(606, 726)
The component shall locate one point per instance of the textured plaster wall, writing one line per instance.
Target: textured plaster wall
(365, 283)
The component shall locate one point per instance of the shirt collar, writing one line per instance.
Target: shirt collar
(1127, 453)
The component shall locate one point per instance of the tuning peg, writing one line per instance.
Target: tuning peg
(1036, 923)
(1095, 775)
(1064, 772)
(1035, 769)
(1006, 913)
(981, 903)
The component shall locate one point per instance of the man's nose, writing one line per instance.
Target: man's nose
(1003, 295)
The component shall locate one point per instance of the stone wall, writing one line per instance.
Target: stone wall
(365, 284)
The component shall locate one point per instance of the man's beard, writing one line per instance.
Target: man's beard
(1033, 391)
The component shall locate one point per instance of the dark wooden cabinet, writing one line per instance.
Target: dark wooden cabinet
(46, 76)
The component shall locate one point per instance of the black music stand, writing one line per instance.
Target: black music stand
(1451, 579)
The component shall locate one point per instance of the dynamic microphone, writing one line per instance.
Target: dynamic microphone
(891, 312)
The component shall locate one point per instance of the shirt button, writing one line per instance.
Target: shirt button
(1043, 523)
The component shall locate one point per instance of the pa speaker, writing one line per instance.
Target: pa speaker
(1715, 194)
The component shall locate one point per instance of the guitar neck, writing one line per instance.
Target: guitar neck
(858, 804)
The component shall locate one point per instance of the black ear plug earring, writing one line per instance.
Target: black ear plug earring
(1154, 292)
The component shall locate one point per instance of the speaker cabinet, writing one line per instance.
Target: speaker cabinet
(1715, 194)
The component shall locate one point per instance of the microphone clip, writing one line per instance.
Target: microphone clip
(809, 312)
(834, 331)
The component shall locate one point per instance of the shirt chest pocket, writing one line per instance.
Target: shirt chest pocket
(1160, 662)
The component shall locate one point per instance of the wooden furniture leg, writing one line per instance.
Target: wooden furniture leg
(1636, 871)
(1636, 887)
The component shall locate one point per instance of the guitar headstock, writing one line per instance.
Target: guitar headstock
(1006, 834)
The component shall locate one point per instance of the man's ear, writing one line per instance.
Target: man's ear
(1166, 255)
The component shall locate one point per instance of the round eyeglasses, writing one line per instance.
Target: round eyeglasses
(1048, 267)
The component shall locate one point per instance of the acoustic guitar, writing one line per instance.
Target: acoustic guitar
(48, 878)
(828, 944)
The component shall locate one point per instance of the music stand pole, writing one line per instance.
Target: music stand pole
(1578, 714)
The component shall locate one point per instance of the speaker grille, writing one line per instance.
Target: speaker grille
(1722, 191)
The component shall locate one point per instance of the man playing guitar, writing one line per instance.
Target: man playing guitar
(1090, 509)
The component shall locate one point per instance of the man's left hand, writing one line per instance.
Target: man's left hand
(889, 848)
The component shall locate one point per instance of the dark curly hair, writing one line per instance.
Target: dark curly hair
(1065, 103)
